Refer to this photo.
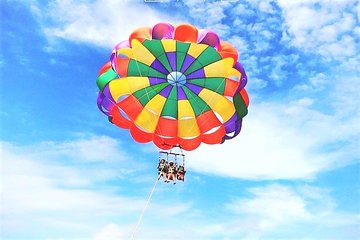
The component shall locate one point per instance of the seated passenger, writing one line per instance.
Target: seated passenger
(162, 169)
(171, 173)
(181, 173)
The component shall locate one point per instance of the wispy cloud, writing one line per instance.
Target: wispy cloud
(43, 197)
(45, 189)
(281, 141)
(326, 27)
(111, 231)
(304, 211)
(276, 209)
(99, 22)
(309, 129)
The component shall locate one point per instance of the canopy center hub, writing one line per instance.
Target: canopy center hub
(176, 78)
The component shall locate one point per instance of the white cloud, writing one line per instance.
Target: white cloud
(100, 22)
(281, 141)
(288, 212)
(271, 206)
(241, 9)
(33, 179)
(38, 199)
(110, 232)
(240, 44)
(345, 96)
(220, 29)
(214, 17)
(319, 80)
(266, 6)
(256, 83)
(346, 46)
(85, 149)
(264, 212)
(320, 26)
(160, 230)
(270, 211)
(277, 72)
(47, 191)
(286, 139)
(261, 34)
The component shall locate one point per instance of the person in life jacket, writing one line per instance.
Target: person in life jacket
(180, 173)
(162, 169)
(171, 172)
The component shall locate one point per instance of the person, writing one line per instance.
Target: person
(171, 172)
(181, 173)
(162, 169)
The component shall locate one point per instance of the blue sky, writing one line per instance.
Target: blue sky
(292, 173)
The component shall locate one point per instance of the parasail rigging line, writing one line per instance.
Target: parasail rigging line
(144, 209)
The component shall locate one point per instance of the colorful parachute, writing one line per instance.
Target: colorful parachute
(175, 86)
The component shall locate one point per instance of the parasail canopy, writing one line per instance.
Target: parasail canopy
(175, 86)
